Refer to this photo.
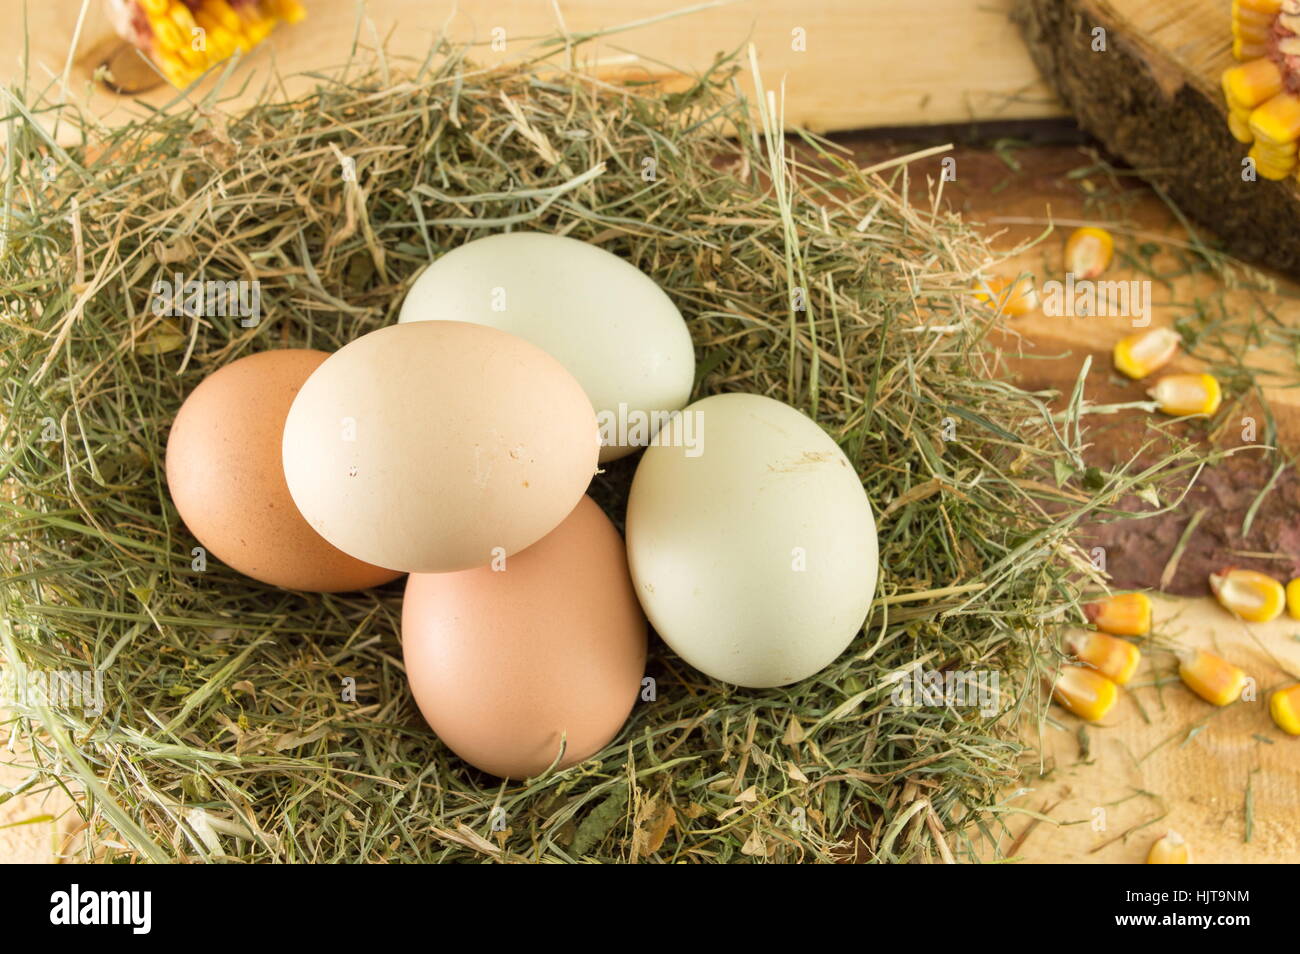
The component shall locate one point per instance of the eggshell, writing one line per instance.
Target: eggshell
(226, 480)
(506, 663)
(604, 319)
(755, 559)
(433, 446)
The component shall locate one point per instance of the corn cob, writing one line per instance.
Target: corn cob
(1085, 692)
(1116, 659)
(1128, 614)
(1170, 850)
(1249, 594)
(186, 37)
(1284, 707)
(1185, 394)
(1263, 92)
(1143, 353)
(1088, 251)
(1215, 680)
(1009, 297)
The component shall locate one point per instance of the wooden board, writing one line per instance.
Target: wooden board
(858, 66)
(1196, 772)
(1153, 96)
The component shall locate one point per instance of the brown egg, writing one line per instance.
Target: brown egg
(505, 663)
(226, 477)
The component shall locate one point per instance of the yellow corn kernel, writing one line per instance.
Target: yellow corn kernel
(1215, 680)
(1277, 119)
(1128, 614)
(167, 35)
(1266, 8)
(1284, 707)
(1170, 850)
(224, 14)
(290, 11)
(1184, 394)
(1140, 354)
(1271, 166)
(1249, 49)
(1293, 598)
(155, 8)
(181, 16)
(1085, 692)
(1007, 296)
(1240, 128)
(1088, 251)
(1252, 83)
(1116, 659)
(1248, 594)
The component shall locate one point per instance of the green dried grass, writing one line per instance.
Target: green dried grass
(225, 736)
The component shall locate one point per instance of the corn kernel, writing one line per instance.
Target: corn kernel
(1269, 165)
(1248, 594)
(155, 8)
(1116, 659)
(1184, 394)
(1128, 614)
(1249, 49)
(1009, 297)
(1252, 83)
(1085, 692)
(1277, 119)
(1088, 251)
(167, 35)
(1240, 128)
(1140, 354)
(1293, 598)
(1170, 850)
(224, 14)
(1284, 707)
(1266, 8)
(1215, 680)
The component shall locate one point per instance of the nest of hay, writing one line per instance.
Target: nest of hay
(225, 732)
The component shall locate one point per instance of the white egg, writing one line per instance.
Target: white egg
(751, 541)
(602, 318)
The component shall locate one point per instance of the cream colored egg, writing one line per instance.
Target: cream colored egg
(604, 319)
(438, 446)
(751, 542)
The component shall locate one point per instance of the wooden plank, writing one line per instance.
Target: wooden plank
(862, 63)
(1164, 752)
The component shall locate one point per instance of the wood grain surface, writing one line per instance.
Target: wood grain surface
(857, 63)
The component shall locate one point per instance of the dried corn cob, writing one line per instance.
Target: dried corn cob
(1215, 680)
(1128, 614)
(1185, 394)
(1263, 93)
(1148, 351)
(1284, 707)
(1116, 659)
(1249, 594)
(1085, 692)
(186, 37)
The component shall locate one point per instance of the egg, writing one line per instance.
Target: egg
(751, 541)
(226, 480)
(507, 662)
(604, 319)
(436, 446)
